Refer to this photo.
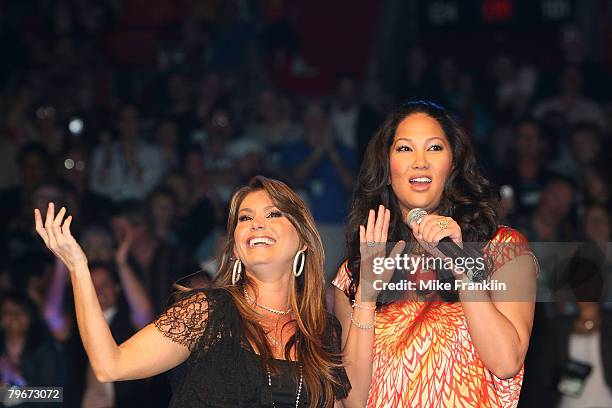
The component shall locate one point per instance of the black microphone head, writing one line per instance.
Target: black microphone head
(416, 214)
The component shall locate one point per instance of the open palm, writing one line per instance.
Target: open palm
(55, 231)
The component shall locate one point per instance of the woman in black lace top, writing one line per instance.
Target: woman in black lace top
(260, 338)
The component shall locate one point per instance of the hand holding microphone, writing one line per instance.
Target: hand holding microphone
(433, 228)
(441, 237)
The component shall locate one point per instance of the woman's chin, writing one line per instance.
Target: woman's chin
(426, 205)
(261, 262)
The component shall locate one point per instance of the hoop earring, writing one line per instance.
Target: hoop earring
(236, 272)
(298, 271)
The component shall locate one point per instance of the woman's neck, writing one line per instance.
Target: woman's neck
(273, 294)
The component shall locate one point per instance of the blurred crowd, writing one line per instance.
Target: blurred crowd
(145, 156)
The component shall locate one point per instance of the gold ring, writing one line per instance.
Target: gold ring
(442, 224)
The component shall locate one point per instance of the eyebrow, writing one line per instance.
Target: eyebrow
(410, 140)
(250, 210)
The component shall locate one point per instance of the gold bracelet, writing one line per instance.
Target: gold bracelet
(363, 326)
(356, 305)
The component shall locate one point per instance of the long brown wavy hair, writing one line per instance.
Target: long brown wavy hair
(306, 293)
(468, 197)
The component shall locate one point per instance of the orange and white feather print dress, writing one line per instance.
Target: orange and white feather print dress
(423, 354)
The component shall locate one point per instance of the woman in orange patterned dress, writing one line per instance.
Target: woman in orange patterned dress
(445, 348)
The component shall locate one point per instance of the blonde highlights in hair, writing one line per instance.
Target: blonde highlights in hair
(306, 292)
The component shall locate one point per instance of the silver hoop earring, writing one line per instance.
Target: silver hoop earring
(236, 272)
(301, 256)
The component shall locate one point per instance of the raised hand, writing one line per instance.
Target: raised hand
(121, 255)
(55, 232)
(373, 243)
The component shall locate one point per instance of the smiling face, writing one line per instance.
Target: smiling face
(420, 161)
(264, 236)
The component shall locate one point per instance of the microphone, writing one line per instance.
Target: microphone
(446, 245)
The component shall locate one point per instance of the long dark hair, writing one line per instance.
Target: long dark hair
(306, 293)
(468, 197)
(36, 331)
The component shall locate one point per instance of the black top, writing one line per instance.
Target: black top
(223, 370)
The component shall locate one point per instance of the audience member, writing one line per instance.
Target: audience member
(130, 167)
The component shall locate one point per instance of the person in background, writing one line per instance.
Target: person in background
(156, 263)
(472, 115)
(271, 128)
(126, 307)
(28, 355)
(575, 46)
(323, 169)
(197, 214)
(250, 158)
(353, 122)
(220, 131)
(209, 92)
(74, 172)
(35, 167)
(50, 133)
(168, 139)
(597, 184)
(199, 178)
(162, 211)
(97, 243)
(585, 148)
(526, 169)
(180, 103)
(416, 77)
(551, 221)
(554, 217)
(30, 273)
(514, 82)
(130, 167)
(585, 332)
(571, 102)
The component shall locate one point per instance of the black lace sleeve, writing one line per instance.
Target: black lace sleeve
(185, 320)
(335, 341)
